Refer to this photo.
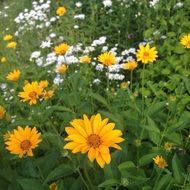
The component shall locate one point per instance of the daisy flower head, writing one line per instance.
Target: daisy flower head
(130, 65)
(185, 41)
(12, 45)
(85, 59)
(13, 76)
(2, 112)
(61, 11)
(7, 37)
(107, 58)
(93, 136)
(22, 141)
(31, 93)
(160, 162)
(61, 49)
(146, 54)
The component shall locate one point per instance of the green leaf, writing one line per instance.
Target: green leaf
(100, 99)
(177, 169)
(109, 183)
(31, 184)
(126, 165)
(59, 172)
(163, 182)
(146, 159)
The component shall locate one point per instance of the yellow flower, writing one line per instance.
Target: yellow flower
(168, 146)
(107, 58)
(7, 37)
(14, 75)
(145, 54)
(3, 59)
(185, 41)
(31, 93)
(2, 112)
(7, 135)
(11, 44)
(48, 94)
(61, 11)
(22, 141)
(43, 84)
(130, 65)
(85, 59)
(61, 49)
(124, 85)
(61, 69)
(160, 162)
(53, 186)
(94, 136)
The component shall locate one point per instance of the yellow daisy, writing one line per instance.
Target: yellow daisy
(53, 186)
(61, 49)
(185, 41)
(43, 84)
(145, 54)
(168, 146)
(7, 37)
(22, 141)
(2, 112)
(107, 58)
(31, 93)
(130, 65)
(61, 11)
(11, 45)
(3, 59)
(85, 59)
(124, 85)
(14, 75)
(61, 69)
(48, 94)
(160, 162)
(94, 136)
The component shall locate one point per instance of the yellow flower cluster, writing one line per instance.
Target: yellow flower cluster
(61, 49)
(33, 91)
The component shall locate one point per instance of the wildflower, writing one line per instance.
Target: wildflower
(48, 94)
(61, 49)
(22, 141)
(53, 186)
(7, 37)
(31, 93)
(160, 162)
(11, 45)
(124, 85)
(61, 11)
(3, 59)
(43, 84)
(14, 75)
(7, 135)
(145, 54)
(130, 65)
(107, 58)
(85, 59)
(168, 146)
(94, 136)
(61, 69)
(2, 112)
(185, 41)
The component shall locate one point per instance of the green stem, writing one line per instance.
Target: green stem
(81, 176)
(131, 81)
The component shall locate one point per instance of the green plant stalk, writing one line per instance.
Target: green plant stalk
(82, 178)
(131, 82)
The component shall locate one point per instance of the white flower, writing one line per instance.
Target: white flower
(78, 4)
(57, 80)
(76, 27)
(52, 35)
(35, 55)
(96, 81)
(46, 44)
(80, 16)
(99, 67)
(107, 3)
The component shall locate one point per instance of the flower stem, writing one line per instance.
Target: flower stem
(131, 81)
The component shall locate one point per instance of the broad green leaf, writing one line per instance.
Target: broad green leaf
(177, 169)
(163, 182)
(59, 172)
(31, 184)
(109, 183)
(146, 159)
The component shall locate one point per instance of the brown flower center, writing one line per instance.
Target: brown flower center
(33, 95)
(146, 54)
(25, 145)
(94, 141)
